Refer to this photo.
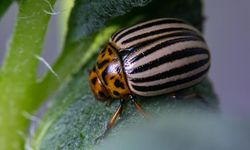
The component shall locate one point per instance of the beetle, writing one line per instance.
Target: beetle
(155, 57)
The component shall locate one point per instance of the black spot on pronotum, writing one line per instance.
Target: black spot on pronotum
(116, 93)
(104, 74)
(103, 55)
(93, 81)
(110, 51)
(103, 63)
(111, 78)
(119, 84)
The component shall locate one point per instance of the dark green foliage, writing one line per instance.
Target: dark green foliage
(4, 5)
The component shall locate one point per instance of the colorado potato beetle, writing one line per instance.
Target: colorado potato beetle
(156, 57)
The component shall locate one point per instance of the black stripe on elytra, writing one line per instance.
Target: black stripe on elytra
(187, 52)
(138, 46)
(163, 45)
(169, 84)
(116, 33)
(173, 72)
(152, 33)
(103, 63)
(147, 25)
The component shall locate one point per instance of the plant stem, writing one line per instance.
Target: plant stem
(65, 7)
(18, 74)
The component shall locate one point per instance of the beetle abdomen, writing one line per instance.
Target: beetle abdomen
(162, 56)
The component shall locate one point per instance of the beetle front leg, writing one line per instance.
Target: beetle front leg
(112, 121)
(114, 117)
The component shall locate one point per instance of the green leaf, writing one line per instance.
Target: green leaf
(4, 5)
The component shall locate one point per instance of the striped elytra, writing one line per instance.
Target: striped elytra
(151, 58)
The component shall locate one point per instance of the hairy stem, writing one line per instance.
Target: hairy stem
(18, 74)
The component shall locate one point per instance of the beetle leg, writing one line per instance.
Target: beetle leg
(138, 106)
(112, 121)
(115, 115)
